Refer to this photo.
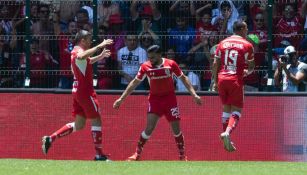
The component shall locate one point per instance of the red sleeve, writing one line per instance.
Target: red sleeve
(73, 54)
(175, 68)
(76, 51)
(141, 73)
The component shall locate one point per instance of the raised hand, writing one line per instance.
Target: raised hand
(105, 43)
(105, 53)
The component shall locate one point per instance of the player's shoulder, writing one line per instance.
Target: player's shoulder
(166, 60)
(241, 40)
(169, 62)
(77, 49)
(245, 42)
(146, 64)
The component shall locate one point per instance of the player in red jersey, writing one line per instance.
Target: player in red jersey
(85, 103)
(162, 98)
(230, 60)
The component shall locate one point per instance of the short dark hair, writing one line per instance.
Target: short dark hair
(154, 48)
(131, 33)
(44, 6)
(83, 11)
(82, 34)
(206, 12)
(180, 15)
(238, 26)
(225, 4)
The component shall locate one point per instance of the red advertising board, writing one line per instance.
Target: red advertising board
(272, 128)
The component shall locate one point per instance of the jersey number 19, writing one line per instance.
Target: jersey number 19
(231, 60)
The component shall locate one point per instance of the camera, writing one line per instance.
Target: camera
(284, 58)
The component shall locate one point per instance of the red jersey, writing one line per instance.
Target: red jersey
(65, 46)
(83, 74)
(263, 38)
(160, 78)
(233, 52)
(38, 62)
(290, 30)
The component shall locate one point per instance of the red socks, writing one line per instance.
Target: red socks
(97, 139)
(65, 130)
(225, 125)
(180, 143)
(70, 127)
(233, 121)
(143, 139)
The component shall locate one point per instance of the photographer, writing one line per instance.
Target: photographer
(291, 72)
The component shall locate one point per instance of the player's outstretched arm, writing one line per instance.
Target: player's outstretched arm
(185, 80)
(104, 54)
(131, 86)
(93, 50)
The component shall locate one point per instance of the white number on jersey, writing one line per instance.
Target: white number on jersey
(231, 60)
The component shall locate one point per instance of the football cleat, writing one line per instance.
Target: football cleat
(134, 157)
(102, 158)
(228, 144)
(46, 144)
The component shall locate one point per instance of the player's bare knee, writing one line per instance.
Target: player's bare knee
(176, 130)
(227, 108)
(79, 126)
(96, 122)
(175, 127)
(149, 130)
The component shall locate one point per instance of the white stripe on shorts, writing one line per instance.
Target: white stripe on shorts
(96, 109)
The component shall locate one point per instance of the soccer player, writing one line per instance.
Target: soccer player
(162, 98)
(85, 103)
(230, 60)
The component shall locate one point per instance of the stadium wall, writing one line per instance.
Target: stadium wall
(272, 128)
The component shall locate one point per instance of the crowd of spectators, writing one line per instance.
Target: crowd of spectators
(187, 30)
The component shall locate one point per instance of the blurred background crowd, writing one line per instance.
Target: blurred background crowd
(187, 30)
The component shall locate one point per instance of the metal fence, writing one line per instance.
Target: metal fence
(36, 37)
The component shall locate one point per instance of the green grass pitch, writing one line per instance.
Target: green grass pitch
(68, 167)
